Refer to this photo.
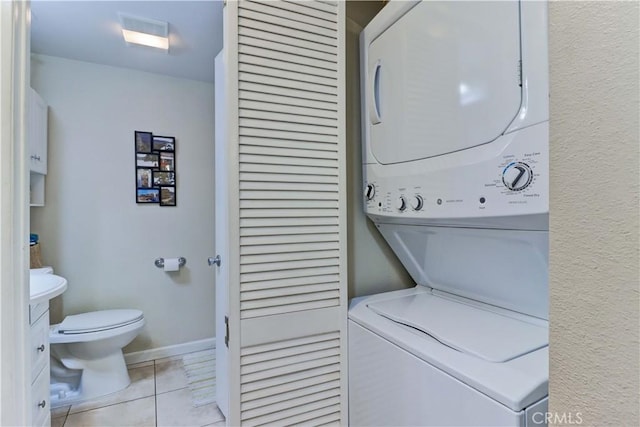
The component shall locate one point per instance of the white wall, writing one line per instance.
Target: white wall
(91, 229)
(373, 267)
(594, 254)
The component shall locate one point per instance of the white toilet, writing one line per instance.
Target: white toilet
(86, 353)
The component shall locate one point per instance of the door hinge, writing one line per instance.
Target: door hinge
(520, 72)
(226, 328)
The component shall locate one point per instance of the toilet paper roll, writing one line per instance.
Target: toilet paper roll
(171, 264)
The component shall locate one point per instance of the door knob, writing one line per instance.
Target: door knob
(217, 261)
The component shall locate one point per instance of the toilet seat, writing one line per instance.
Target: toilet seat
(95, 326)
(97, 321)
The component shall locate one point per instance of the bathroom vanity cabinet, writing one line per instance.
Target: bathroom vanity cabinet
(39, 321)
(37, 125)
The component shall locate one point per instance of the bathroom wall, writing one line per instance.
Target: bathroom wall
(91, 229)
(373, 267)
(594, 229)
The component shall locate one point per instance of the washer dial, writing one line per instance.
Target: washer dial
(370, 191)
(401, 204)
(517, 176)
(417, 203)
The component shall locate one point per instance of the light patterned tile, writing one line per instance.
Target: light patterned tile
(140, 364)
(62, 411)
(142, 385)
(176, 409)
(58, 421)
(170, 376)
(170, 358)
(139, 412)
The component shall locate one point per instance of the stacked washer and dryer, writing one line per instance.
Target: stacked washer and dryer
(455, 124)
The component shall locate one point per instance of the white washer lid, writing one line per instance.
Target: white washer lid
(470, 329)
(98, 321)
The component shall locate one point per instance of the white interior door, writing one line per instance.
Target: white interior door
(221, 241)
(284, 166)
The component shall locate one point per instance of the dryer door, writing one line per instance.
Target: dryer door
(442, 78)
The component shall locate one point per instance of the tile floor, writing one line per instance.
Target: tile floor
(157, 396)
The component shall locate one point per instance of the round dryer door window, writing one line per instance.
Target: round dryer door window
(444, 77)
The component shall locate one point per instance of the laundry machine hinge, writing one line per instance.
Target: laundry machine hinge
(226, 331)
(520, 72)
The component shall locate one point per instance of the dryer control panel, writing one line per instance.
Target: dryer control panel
(505, 178)
(450, 142)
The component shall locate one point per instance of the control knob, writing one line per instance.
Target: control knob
(370, 191)
(401, 204)
(417, 203)
(517, 176)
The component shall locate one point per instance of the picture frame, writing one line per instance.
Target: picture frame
(147, 160)
(155, 169)
(168, 161)
(148, 195)
(168, 196)
(163, 178)
(144, 178)
(143, 141)
(163, 143)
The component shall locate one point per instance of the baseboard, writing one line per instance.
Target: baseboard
(169, 351)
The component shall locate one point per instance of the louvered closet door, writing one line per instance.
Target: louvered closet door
(286, 212)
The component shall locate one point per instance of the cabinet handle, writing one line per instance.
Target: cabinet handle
(41, 348)
(34, 157)
(42, 404)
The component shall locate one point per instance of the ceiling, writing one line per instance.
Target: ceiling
(90, 31)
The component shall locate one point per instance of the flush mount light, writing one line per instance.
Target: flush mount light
(145, 32)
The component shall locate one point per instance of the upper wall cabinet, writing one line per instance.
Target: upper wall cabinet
(37, 132)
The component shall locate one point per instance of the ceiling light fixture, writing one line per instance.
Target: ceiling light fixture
(145, 32)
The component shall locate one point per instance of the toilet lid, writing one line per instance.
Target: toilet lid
(98, 321)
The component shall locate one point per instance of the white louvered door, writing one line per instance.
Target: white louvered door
(285, 212)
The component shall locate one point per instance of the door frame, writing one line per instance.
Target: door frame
(230, 61)
(15, 370)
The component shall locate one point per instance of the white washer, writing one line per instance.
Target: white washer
(466, 373)
(455, 125)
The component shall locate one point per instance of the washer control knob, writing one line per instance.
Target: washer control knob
(370, 192)
(417, 203)
(401, 204)
(517, 176)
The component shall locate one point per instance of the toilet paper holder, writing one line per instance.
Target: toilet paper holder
(159, 262)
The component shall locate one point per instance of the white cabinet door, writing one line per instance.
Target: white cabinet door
(283, 173)
(40, 345)
(37, 132)
(40, 400)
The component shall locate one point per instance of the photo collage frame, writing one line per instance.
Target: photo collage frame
(155, 169)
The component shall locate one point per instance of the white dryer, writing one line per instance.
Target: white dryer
(455, 124)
